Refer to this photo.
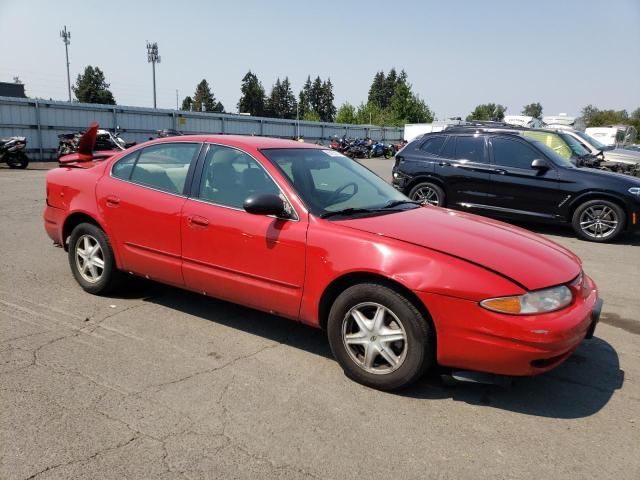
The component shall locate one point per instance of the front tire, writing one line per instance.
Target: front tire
(428, 193)
(598, 221)
(379, 338)
(91, 260)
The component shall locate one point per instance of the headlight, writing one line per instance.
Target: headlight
(635, 191)
(540, 301)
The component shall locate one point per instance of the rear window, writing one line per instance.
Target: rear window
(470, 148)
(433, 145)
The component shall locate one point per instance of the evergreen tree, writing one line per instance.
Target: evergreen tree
(204, 100)
(187, 104)
(315, 95)
(304, 103)
(252, 100)
(327, 111)
(282, 101)
(377, 89)
(389, 87)
(91, 87)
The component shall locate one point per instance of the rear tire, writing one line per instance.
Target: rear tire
(379, 338)
(18, 161)
(428, 193)
(91, 260)
(598, 221)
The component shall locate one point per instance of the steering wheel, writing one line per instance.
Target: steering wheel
(334, 196)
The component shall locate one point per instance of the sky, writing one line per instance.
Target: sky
(563, 54)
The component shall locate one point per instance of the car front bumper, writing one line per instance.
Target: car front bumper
(470, 337)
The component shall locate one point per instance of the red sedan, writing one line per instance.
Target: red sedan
(302, 231)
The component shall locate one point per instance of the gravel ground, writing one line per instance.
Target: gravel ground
(162, 383)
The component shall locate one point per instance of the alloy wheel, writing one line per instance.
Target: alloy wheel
(426, 195)
(89, 258)
(599, 221)
(374, 338)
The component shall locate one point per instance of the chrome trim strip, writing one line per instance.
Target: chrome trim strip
(503, 209)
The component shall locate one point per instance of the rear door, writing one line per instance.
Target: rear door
(518, 190)
(464, 168)
(141, 201)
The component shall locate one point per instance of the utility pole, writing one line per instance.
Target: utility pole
(153, 58)
(66, 38)
(177, 99)
(297, 121)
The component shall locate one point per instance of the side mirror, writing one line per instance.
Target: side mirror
(539, 164)
(265, 204)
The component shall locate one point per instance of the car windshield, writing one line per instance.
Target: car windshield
(331, 184)
(551, 140)
(553, 155)
(575, 146)
(595, 143)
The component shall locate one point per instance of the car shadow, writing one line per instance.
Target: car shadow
(627, 238)
(580, 387)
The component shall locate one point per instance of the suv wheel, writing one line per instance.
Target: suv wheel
(598, 221)
(379, 337)
(428, 193)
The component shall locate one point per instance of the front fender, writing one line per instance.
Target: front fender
(334, 251)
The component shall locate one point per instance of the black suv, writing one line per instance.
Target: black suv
(499, 172)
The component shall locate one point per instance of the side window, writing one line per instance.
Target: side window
(230, 176)
(471, 149)
(163, 167)
(123, 168)
(433, 145)
(512, 153)
(449, 149)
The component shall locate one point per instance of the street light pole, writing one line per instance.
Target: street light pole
(153, 58)
(66, 38)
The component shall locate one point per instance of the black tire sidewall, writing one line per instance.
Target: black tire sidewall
(420, 336)
(575, 221)
(110, 275)
(437, 188)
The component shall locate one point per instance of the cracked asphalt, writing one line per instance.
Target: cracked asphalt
(158, 383)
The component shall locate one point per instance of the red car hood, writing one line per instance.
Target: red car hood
(526, 258)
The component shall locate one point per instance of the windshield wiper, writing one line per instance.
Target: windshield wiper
(395, 203)
(349, 211)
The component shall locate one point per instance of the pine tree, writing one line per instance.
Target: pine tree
(91, 87)
(390, 84)
(376, 91)
(187, 104)
(315, 96)
(252, 100)
(204, 100)
(327, 111)
(304, 103)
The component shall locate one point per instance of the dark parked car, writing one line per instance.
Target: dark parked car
(502, 173)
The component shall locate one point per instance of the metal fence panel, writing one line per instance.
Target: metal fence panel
(41, 121)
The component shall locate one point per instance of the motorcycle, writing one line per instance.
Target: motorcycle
(12, 152)
(380, 149)
(105, 141)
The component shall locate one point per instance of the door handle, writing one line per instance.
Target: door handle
(112, 201)
(444, 164)
(499, 171)
(198, 220)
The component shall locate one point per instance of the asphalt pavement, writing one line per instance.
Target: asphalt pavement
(159, 383)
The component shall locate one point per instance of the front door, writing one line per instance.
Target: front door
(519, 191)
(141, 201)
(254, 260)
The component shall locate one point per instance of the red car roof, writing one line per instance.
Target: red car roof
(241, 141)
